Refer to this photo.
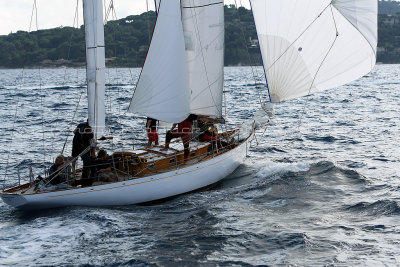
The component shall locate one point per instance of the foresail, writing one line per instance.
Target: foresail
(95, 64)
(162, 90)
(313, 45)
(203, 25)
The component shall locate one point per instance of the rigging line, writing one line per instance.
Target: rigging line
(316, 73)
(108, 107)
(73, 120)
(155, 7)
(108, 11)
(12, 134)
(248, 53)
(72, 32)
(301, 34)
(225, 111)
(35, 12)
(148, 48)
(32, 14)
(114, 17)
(77, 80)
(71, 36)
(41, 99)
(203, 58)
(249, 58)
(17, 102)
(41, 93)
(261, 54)
(76, 19)
(118, 93)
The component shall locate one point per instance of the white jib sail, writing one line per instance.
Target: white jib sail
(95, 64)
(162, 90)
(313, 45)
(203, 25)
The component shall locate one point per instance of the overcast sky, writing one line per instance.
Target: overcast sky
(15, 14)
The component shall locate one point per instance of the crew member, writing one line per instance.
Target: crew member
(103, 166)
(184, 132)
(151, 128)
(55, 176)
(82, 139)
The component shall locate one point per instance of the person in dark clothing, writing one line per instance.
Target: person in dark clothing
(80, 138)
(83, 136)
(151, 128)
(184, 132)
(55, 176)
(103, 166)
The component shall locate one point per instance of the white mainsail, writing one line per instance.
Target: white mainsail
(313, 45)
(95, 64)
(203, 25)
(162, 90)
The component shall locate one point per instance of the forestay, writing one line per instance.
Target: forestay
(95, 64)
(313, 45)
(157, 4)
(162, 90)
(203, 25)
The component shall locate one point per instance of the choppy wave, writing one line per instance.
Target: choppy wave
(273, 169)
(377, 208)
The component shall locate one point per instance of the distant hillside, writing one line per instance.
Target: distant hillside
(389, 32)
(127, 40)
(389, 7)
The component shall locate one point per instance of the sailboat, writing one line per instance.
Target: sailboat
(306, 46)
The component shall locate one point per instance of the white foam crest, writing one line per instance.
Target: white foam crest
(269, 168)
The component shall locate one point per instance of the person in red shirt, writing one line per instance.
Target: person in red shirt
(151, 127)
(184, 131)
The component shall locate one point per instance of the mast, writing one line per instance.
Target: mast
(95, 64)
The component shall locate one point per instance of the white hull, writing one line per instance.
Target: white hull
(138, 190)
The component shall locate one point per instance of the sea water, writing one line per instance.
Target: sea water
(320, 186)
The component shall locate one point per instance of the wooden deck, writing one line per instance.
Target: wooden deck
(141, 163)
